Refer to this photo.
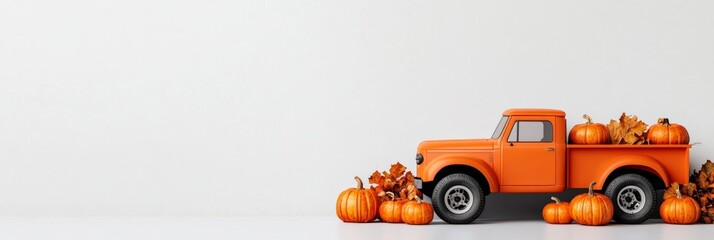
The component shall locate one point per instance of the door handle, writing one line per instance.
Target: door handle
(550, 149)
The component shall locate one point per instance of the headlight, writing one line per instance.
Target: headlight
(419, 158)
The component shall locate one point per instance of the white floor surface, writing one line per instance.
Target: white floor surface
(77, 228)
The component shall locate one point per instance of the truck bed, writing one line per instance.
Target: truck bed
(588, 163)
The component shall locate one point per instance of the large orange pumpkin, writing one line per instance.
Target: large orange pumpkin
(357, 204)
(591, 208)
(557, 212)
(679, 210)
(589, 133)
(391, 211)
(667, 133)
(417, 212)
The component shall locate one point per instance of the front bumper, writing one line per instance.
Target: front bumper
(418, 183)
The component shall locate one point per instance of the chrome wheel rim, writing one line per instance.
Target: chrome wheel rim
(631, 199)
(459, 199)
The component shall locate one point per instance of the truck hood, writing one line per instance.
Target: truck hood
(463, 144)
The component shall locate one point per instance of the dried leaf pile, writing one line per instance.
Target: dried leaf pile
(628, 130)
(701, 188)
(397, 181)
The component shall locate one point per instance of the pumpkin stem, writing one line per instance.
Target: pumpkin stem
(590, 189)
(391, 195)
(557, 201)
(665, 121)
(679, 194)
(359, 183)
(587, 117)
(417, 199)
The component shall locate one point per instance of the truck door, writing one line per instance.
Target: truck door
(528, 155)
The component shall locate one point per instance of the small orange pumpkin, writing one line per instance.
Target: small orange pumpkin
(591, 208)
(679, 210)
(589, 133)
(667, 133)
(391, 211)
(557, 212)
(417, 212)
(357, 204)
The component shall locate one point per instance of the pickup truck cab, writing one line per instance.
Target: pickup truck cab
(528, 153)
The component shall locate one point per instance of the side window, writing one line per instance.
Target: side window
(531, 131)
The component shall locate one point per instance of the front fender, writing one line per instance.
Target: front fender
(480, 165)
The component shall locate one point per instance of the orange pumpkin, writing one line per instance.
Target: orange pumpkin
(667, 133)
(357, 204)
(591, 208)
(417, 212)
(679, 210)
(391, 211)
(557, 212)
(589, 133)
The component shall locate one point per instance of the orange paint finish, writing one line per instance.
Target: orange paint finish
(428, 172)
(596, 162)
(529, 153)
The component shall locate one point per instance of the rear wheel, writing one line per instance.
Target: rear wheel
(634, 198)
(458, 199)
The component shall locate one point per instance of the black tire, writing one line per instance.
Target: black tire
(464, 196)
(627, 193)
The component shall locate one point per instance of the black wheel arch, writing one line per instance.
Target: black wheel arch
(473, 172)
(648, 174)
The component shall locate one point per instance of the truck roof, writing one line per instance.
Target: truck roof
(533, 112)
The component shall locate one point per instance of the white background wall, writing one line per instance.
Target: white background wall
(249, 108)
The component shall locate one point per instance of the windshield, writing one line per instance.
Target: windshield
(499, 128)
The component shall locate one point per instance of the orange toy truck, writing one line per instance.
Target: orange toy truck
(529, 153)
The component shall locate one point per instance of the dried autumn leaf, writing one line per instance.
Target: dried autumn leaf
(671, 191)
(396, 181)
(702, 179)
(376, 178)
(616, 132)
(380, 192)
(403, 194)
(409, 177)
(689, 189)
(402, 181)
(628, 130)
(635, 129)
(387, 175)
(636, 133)
(397, 169)
(388, 184)
(411, 192)
(703, 200)
(708, 167)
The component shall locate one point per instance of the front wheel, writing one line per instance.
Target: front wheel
(458, 199)
(634, 198)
